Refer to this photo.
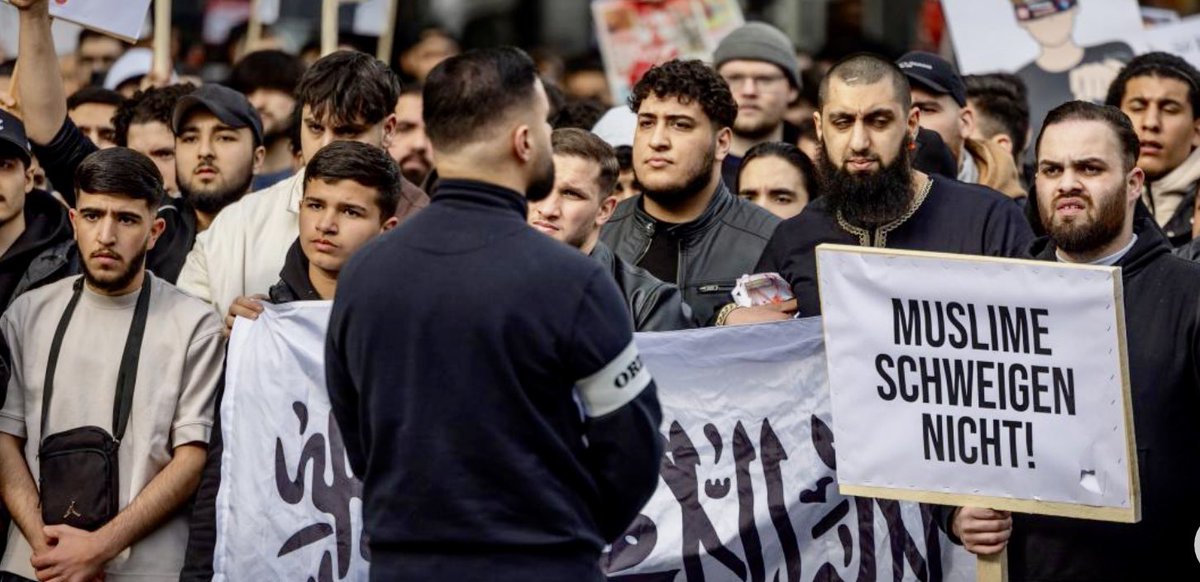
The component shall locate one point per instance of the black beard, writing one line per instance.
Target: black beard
(695, 183)
(211, 203)
(122, 280)
(1084, 238)
(867, 200)
(543, 183)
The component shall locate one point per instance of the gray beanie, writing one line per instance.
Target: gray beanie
(758, 41)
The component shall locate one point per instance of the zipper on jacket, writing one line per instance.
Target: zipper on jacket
(649, 241)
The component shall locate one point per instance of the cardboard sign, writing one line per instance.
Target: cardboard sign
(634, 35)
(1180, 38)
(979, 381)
(124, 19)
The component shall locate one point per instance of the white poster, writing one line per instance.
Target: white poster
(1181, 38)
(288, 507)
(993, 377)
(123, 19)
(747, 491)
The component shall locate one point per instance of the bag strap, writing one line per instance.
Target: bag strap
(126, 374)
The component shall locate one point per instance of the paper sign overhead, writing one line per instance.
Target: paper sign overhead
(123, 19)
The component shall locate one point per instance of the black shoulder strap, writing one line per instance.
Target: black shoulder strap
(126, 375)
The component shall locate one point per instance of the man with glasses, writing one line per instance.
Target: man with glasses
(759, 63)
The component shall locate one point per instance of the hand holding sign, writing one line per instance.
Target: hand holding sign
(1090, 82)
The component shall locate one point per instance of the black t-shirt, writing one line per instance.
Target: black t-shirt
(662, 257)
(954, 218)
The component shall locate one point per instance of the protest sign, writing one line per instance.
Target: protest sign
(980, 381)
(1181, 38)
(288, 507)
(747, 483)
(635, 35)
(123, 19)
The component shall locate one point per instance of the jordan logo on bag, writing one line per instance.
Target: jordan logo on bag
(71, 511)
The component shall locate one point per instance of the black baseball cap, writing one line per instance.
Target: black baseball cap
(228, 105)
(935, 74)
(12, 136)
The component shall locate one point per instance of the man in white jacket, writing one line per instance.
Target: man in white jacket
(344, 96)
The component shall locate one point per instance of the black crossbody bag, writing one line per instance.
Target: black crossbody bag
(79, 482)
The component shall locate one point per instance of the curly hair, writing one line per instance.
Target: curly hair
(688, 81)
(146, 106)
(1157, 64)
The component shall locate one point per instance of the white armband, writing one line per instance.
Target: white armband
(617, 383)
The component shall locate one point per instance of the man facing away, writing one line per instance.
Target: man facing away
(509, 430)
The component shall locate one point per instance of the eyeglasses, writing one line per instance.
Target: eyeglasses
(735, 81)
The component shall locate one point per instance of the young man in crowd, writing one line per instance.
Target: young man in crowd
(582, 201)
(143, 124)
(268, 79)
(210, 164)
(538, 443)
(351, 190)
(940, 95)
(687, 228)
(1088, 186)
(91, 109)
(177, 367)
(759, 63)
(1160, 93)
(410, 145)
(31, 221)
(1001, 110)
(95, 54)
(344, 96)
(871, 196)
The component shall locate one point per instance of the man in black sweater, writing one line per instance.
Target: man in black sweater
(870, 194)
(484, 375)
(1088, 187)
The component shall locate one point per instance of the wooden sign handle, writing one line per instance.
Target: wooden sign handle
(329, 26)
(993, 568)
(162, 39)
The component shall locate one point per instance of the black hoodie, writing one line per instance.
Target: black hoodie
(46, 225)
(1162, 321)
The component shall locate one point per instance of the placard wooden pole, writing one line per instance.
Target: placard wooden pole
(388, 36)
(254, 26)
(329, 26)
(993, 568)
(162, 39)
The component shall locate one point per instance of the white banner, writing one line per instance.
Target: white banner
(288, 507)
(748, 487)
(1180, 38)
(123, 19)
(969, 376)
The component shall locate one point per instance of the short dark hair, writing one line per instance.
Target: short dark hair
(624, 157)
(1157, 64)
(469, 93)
(154, 104)
(866, 69)
(688, 81)
(348, 86)
(368, 165)
(94, 95)
(578, 143)
(579, 113)
(1109, 115)
(790, 154)
(266, 69)
(1002, 103)
(123, 172)
(87, 34)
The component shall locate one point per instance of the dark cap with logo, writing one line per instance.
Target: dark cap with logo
(935, 74)
(228, 105)
(12, 136)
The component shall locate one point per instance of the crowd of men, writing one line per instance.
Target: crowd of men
(490, 248)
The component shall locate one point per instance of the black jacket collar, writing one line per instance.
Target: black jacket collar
(1150, 245)
(722, 199)
(294, 284)
(480, 194)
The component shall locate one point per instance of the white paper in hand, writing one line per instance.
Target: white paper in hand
(123, 19)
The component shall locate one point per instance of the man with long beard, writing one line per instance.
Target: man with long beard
(872, 197)
(687, 228)
(1088, 183)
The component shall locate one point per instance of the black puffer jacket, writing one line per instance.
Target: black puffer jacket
(653, 304)
(721, 245)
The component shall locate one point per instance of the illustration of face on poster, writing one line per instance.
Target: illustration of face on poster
(1063, 49)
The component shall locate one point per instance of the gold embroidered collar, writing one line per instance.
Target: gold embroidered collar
(864, 235)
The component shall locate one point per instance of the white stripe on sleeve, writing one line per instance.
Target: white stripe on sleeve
(617, 383)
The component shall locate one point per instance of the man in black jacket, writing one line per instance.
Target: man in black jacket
(484, 376)
(583, 199)
(1087, 187)
(870, 194)
(351, 191)
(686, 227)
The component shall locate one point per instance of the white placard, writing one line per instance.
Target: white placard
(123, 19)
(1180, 38)
(993, 378)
